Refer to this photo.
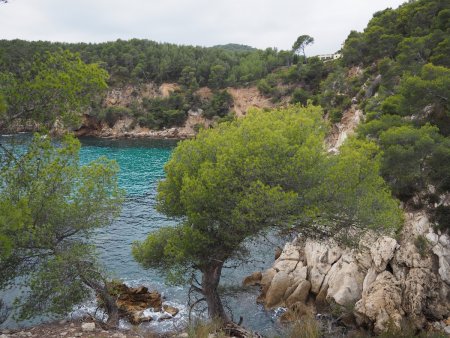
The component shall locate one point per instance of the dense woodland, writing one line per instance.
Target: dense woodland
(397, 71)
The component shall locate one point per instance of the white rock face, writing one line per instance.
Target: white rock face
(346, 284)
(381, 303)
(386, 281)
(443, 252)
(382, 252)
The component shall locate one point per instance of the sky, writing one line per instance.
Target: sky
(258, 23)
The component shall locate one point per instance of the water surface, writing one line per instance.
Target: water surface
(141, 168)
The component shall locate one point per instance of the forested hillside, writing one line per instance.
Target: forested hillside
(396, 71)
(137, 60)
(403, 85)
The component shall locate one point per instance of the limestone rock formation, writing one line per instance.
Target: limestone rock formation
(382, 283)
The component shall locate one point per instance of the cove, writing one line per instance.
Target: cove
(141, 164)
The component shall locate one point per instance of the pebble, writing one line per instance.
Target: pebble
(62, 334)
(119, 335)
(88, 327)
(72, 325)
(447, 329)
(4, 336)
(78, 334)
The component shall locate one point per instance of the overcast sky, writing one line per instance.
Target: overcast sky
(258, 23)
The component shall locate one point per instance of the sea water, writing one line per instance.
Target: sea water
(141, 168)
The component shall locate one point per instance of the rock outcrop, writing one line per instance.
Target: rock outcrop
(132, 303)
(382, 283)
(128, 128)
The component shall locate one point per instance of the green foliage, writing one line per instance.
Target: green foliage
(164, 112)
(55, 85)
(137, 61)
(50, 205)
(427, 96)
(410, 33)
(3, 106)
(188, 79)
(421, 244)
(112, 114)
(441, 217)
(407, 155)
(269, 169)
(300, 96)
(404, 90)
(352, 184)
(217, 76)
(301, 42)
(375, 127)
(219, 105)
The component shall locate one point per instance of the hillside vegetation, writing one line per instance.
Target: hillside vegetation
(396, 70)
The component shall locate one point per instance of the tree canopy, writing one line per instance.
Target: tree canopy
(301, 42)
(50, 205)
(55, 85)
(246, 176)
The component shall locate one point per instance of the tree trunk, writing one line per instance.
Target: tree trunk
(110, 308)
(210, 282)
(109, 302)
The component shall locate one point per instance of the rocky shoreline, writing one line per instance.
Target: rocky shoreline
(386, 282)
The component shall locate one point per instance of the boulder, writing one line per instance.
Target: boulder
(381, 303)
(138, 317)
(88, 327)
(290, 252)
(300, 293)
(369, 278)
(408, 255)
(173, 311)
(346, 284)
(275, 294)
(253, 279)
(266, 280)
(278, 252)
(317, 276)
(132, 302)
(382, 252)
(418, 287)
(319, 259)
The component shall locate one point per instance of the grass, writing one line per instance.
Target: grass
(201, 329)
(307, 327)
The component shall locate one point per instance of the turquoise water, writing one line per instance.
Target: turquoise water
(141, 168)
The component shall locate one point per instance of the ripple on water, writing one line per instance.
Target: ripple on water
(141, 167)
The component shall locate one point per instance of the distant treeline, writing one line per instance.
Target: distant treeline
(138, 60)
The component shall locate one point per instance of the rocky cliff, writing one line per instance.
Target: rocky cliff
(385, 281)
(243, 100)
